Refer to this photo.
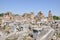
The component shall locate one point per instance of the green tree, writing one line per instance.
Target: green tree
(56, 18)
(1, 14)
(16, 14)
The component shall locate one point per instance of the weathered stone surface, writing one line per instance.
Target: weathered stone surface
(50, 17)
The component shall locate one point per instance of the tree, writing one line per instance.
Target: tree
(16, 14)
(56, 18)
(1, 14)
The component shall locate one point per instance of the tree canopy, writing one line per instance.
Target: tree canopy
(1, 14)
(56, 18)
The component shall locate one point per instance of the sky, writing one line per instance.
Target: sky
(27, 6)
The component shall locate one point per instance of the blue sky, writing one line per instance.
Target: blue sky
(22, 6)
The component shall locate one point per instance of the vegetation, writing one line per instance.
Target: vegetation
(1, 14)
(56, 18)
(5, 27)
(58, 35)
(0, 21)
(16, 14)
